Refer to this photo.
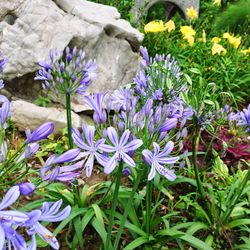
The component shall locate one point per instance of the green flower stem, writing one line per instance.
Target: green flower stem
(237, 195)
(69, 120)
(127, 209)
(148, 205)
(195, 144)
(113, 208)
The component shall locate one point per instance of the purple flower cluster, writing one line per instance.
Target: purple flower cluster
(242, 118)
(160, 77)
(12, 220)
(69, 76)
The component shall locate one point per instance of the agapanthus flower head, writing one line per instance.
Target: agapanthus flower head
(242, 118)
(40, 133)
(120, 147)
(158, 159)
(90, 147)
(67, 75)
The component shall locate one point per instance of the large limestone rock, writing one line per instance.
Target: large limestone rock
(30, 28)
(27, 115)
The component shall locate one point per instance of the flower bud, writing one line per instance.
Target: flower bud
(26, 188)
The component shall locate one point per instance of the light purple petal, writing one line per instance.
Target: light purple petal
(57, 217)
(10, 197)
(112, 134)
(46, 235)
(107, 148)
(169, 174)
(102, 159)
(50, 208)
(77, 138)
(32, 245)
(168, 160)
(147, 156)
(109, 168)
(89, 134)
(168, 148)
(133, 145)
(67, 156)
(156, 148)
(89, 165)
(124, 138)
(127, 159)
(152, 173)
(2, 237)
(15, 216)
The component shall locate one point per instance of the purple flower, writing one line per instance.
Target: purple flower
(51, 171)
(26, 188)
(144, 53)
(9, 218)
(29, 151)
(72, 75)
(158, 159)
(169, 124)
(4, 112)
(245, 118)
(121, 149)
(90, 147)
(96, 103)
(41, 132)
(50, 213)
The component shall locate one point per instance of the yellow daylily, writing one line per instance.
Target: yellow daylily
(169, 25)
(204, 36)
(187, 30)
(235, 41)
(245, 51)
(218, 49)
(217, 2)
(189, 39)
(154, 27)
(226, 35)
(192, 13)
(216, 39)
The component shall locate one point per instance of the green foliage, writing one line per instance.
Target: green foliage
(43, 101)
(236, 18)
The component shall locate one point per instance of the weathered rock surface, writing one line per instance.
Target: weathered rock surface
(142, 6)
(30, 28)
(27, 115)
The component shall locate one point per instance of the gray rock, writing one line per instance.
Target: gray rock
(30, 28)
(28, 115)
(142, 6)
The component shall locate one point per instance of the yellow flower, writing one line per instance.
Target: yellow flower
(245, 51)
(189, 38)
(169, 26)
(187, 30)
(204, 37)
(235, 41)
(217, 2)
(192, 13)
(154, 27)
(218, 49)
(226, 35)
(216, 39)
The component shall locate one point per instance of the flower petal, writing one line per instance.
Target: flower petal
(46, 235)
(89, 165)
(168, 148)
(10, 197)
(152, 173)
(89, 134)
(147, 156)
(156, 148)
(2, 237)
(57, 217)
(169, 174)
(127, 159)
(67, 156)
(109, 168)
(168, 160)
(133, 145)
(107, 148)
(77, 138)
(112, 134)
(124, 138)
